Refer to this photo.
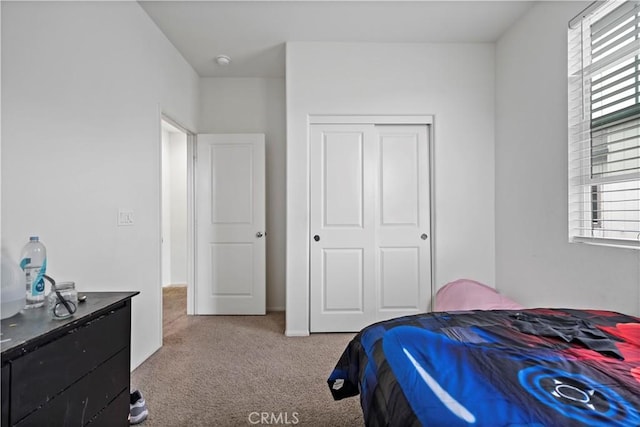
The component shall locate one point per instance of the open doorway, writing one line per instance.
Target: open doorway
(175, 253)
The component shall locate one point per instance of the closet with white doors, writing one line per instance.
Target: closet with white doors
(370, 247)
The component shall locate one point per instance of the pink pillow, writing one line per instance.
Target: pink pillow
(464, 294)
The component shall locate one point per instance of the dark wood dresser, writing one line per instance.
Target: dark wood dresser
(70, 372)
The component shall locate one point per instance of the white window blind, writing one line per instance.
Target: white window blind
(604, 124)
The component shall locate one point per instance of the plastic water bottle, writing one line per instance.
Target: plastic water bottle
(34, 263)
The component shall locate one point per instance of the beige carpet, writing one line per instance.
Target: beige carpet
(174, 309)
(229, 370)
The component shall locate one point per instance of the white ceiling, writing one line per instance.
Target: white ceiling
(253, 33)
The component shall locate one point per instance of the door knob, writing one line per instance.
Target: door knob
(424, 236)
(259, 234)
(316, 238)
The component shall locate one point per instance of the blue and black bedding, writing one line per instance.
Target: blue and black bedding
(536, 367)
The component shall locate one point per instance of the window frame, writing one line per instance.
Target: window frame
(586, 204)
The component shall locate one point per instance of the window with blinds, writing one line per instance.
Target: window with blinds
(604, 124)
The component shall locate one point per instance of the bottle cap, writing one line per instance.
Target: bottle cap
(34, 238)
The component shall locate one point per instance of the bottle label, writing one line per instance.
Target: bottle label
(35, 276)
(37, 287)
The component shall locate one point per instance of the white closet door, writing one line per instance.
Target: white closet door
(342, 227)
(369, 208)
(403, 256)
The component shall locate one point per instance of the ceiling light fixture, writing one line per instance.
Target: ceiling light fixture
(223, 60)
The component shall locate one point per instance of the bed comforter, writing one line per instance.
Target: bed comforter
(536, 367)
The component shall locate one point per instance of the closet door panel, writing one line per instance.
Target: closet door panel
(402, 221)
(342, 185)
(399, 157)
(341, 242)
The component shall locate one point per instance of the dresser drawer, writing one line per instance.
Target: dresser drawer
(116, 414)
(85, 399)
(40, 375)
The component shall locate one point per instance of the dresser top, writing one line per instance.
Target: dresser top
(32, 326)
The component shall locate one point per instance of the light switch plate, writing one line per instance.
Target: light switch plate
(125, 217)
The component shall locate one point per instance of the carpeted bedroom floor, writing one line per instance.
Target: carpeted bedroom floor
(237, 370)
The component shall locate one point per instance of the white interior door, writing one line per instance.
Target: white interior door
(370, 219)
(230, 224)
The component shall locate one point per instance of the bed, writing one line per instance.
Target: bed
(527, 367)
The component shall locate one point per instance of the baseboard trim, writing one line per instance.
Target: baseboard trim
(296, 333)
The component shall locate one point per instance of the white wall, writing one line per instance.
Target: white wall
(535, 264)
(174, 208)
(166, 208)
(178, 186)
(1, 239)
(83, 85)
(455, 83)
(256, 105)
